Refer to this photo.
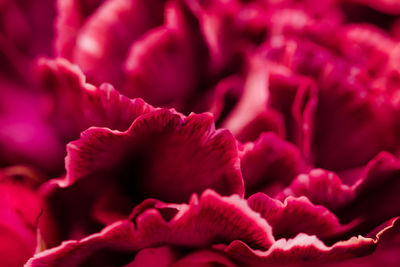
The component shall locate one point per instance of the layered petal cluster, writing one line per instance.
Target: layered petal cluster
(214, 229)
(238, 133)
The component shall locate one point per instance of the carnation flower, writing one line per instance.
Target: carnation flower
(199, 133)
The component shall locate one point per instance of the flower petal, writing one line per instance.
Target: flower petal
(204, 258)
(82, 104)
(71, 16)
(376, 189)
(297, 215)
(155, 257)
(167, 65)
(303, 248)
(269, 160)
(23, 213)
(105, 37)
(386, 253)
(203, 222)
(169, 147)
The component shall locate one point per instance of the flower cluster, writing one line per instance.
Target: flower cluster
(199, 133)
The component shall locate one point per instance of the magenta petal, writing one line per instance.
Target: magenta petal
(375, 190)
(159, 152)
(155, 65)
(385, 6)
(167, 64)
(106, 35)
(321, 187)
(302, 248)
(269, 160)
(220, 27)
(22, 214)
(225, 98)
(294, 97)
(116, 238)
(253, 103)
(17, 227)
(163, 154)
(27, 26)
(203, 258)
(364, 125)
(387, 252)
(25, 136)
(209, 220)
(82, 104)
(297, 215)
(310, 250)
(71, 16)
(155, 257)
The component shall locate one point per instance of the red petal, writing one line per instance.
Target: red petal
(107, 34)
(168, 64)
(376, 190)
(203, 258)
(387, 252)
(82, 104)
(321, 187)
(154, 257)
(71, 17)
(171, 148)
(155, 68)
(386, 6)
(252, 104)
(302, 249)
(297, 215)
(205, 221)
(268, 160)
(22, 214)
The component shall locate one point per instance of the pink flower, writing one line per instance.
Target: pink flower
(243, 133)
(252, 233)
(26, 225)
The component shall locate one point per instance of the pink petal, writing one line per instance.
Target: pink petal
(82, 104)
(25, 136)
(71, 16)
(351, 110)
(155, 257)
(116, 238)
(171, 149)
(268, 160)
(28, 26)
(168, 63)
(293, 96)
(204, 258)
(305, 249)
(385, 6)
(321, 187)
(210, 219)
(168, 256)
(387, 252)
(252, 104)
(301, 249)
(220, 25)
(225, 99)
(163, 154)
(297, 215)
(155, 65)
(106, 35)
(22, 214)
(375, 190)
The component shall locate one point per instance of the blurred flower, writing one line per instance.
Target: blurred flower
(276, 121)
(26, 224)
